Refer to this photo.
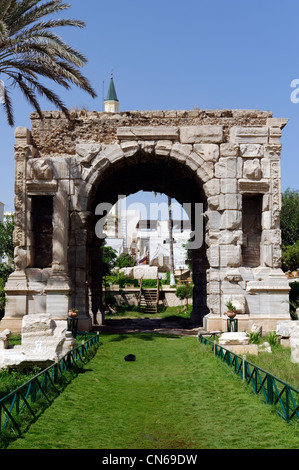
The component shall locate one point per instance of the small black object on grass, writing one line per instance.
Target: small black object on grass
(130, 357)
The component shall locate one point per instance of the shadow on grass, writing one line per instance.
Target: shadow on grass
(142, 336)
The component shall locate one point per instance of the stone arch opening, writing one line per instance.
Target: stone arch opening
(148, 174)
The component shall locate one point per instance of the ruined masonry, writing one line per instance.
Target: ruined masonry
(227, 160)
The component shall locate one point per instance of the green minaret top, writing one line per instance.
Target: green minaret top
(111, 95)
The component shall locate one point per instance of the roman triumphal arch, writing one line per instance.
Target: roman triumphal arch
(227, 162)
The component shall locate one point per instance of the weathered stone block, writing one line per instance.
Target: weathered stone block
(148, 133)
(213, 202)
(234, 338)
(194, 161)
(207, 152)
(87, 151)
(294, 342)
(113, 153)
(230, 256)
(230, 201)
(226, 168)
(130, 148)
(284, 328)
(274, 135)
(254, 135)
(229, 150)
(247, 186)
(267, 220)
(214, 287)
(181, 153)
(231, 220)
(163, 147)
(214, 218)
(231, 237)
(272, 151)
(212, 187)
(251, 150)
(201, 134)
(228, 185)
(238, 300)
(252, 169)
(214, 258)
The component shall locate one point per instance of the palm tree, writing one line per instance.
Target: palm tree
(30, 49)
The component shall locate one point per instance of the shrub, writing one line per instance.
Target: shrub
(181, 291)
(2, 298)
(121, 279)
(125, 260)
(272, 338)
(149, 283)
(294, 299)
(290, 257)
(254, 337)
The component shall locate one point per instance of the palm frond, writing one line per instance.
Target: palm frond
(7, 104)
(30, 49)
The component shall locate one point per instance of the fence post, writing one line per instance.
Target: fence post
(68, 361)
(269, 389)
(56, 369)
(214, 347)
(287, 408)
(244, 368)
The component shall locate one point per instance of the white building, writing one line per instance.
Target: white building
(147, 240)
(152, 241)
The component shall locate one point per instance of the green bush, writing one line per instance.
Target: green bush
(121, 279)
(166, 281)
(2, 297)
(294, 299)
(272, 338)
(254, 337)
(290, 257)
(125, 261)
(149, 283)
(181, 291)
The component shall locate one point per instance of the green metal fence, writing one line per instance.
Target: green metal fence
(24, 404)
(276, 392)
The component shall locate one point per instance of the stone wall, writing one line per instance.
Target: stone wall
(225, 159)
(55, 135)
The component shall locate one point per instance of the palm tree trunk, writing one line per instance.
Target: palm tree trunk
(172, 278)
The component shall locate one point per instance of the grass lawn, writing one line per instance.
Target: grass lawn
(176, 395)
(166, 313)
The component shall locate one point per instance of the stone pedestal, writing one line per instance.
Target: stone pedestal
(43, 341)
(16, 290)
(58, 292)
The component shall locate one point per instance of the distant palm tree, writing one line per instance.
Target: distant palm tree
(171, 257)
(30, 49)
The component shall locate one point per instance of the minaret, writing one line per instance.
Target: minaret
(111, 102)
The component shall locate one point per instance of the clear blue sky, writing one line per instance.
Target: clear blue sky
(171, 54)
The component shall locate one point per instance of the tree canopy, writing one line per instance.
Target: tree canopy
(125, 260)
(109, 256)
(289, 224)
(6, 238)
(289, 218)
(31, 49)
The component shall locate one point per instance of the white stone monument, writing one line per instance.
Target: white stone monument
(43, 341)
